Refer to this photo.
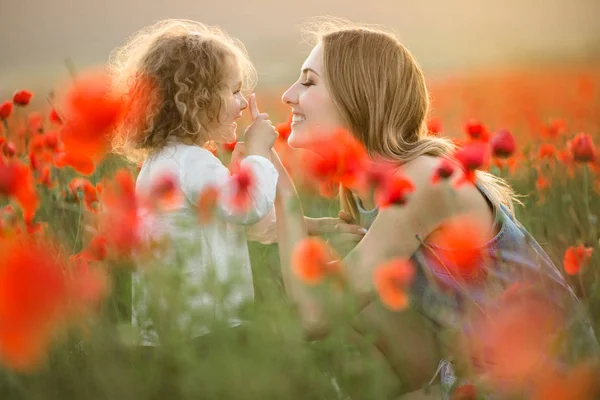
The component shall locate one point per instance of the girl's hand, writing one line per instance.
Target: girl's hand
(261, 134)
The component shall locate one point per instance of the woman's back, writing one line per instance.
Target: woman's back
(513, 257)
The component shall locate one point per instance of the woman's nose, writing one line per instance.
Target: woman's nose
(289, 97)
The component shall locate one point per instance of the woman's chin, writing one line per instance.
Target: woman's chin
(297, 140)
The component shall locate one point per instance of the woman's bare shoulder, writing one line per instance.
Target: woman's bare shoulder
(449, 198)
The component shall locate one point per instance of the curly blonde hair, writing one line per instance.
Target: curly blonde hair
(173, 75)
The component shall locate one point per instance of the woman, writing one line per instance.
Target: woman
(363, 80)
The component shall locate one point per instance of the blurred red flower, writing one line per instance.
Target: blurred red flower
(88, 190)
(392, 280)
(582, 148)
(92, 112)
(22, 97)
(576, 257)
(6, 109)
(337, 158)
(394, 191)
(434, 126)
(580, 382)
(284, 129)
(476, 130)
(33, 300)
(503, 144)
(229, 146)
(35, 122)
(458, 248)
(444, 170)
(118, 217)
(313, 260)
(547, 150)
(471, 157)
(165, 192)
(512, 342)
(55, 117)
(16, 180)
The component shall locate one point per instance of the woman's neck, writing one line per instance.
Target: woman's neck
(367, 199)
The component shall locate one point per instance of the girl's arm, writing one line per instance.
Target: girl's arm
(201, 170)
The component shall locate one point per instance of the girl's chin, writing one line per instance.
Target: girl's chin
(225, 138)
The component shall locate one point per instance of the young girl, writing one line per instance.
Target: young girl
(187, 79)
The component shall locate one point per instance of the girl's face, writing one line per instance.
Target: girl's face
(313, 110)
(224, 130)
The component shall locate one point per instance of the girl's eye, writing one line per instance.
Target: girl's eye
(307, 83)
(236, 92)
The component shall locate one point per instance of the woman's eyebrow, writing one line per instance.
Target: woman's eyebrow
(307, 70)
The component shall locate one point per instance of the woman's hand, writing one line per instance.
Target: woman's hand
(342, 235)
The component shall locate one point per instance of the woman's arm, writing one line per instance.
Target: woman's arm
(392, 235)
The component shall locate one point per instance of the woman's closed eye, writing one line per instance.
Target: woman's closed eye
(307, 83)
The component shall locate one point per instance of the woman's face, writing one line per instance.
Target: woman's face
(313, 110)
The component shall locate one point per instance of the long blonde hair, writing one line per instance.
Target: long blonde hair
(380, 91)
(173, 75)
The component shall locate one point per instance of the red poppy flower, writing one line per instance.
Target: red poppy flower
(476, 130)
(313, 260)
(207, 202)
(88, 190)
(547, 150)
(503, 144)
(554, 129)
(165, 192)
(229, 146)
(6, 109)
(465, 392)
(471, 157)
(434, 126)
(96, 250)
(243, 182)
(512, 342)
(444, 171)
(22, 97)
(580, 382)
(33, 301)
(16, 180)
(8, 149)
(284, 129)
(92, 112)
(576, 257)
(376, 174)
(337, 158)
(82, 164)
(458, 248)
(582, 148)
(54, 117)
(392, 280)
(46, 177)
(35, 122)
(394, 191)
(118, 217)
